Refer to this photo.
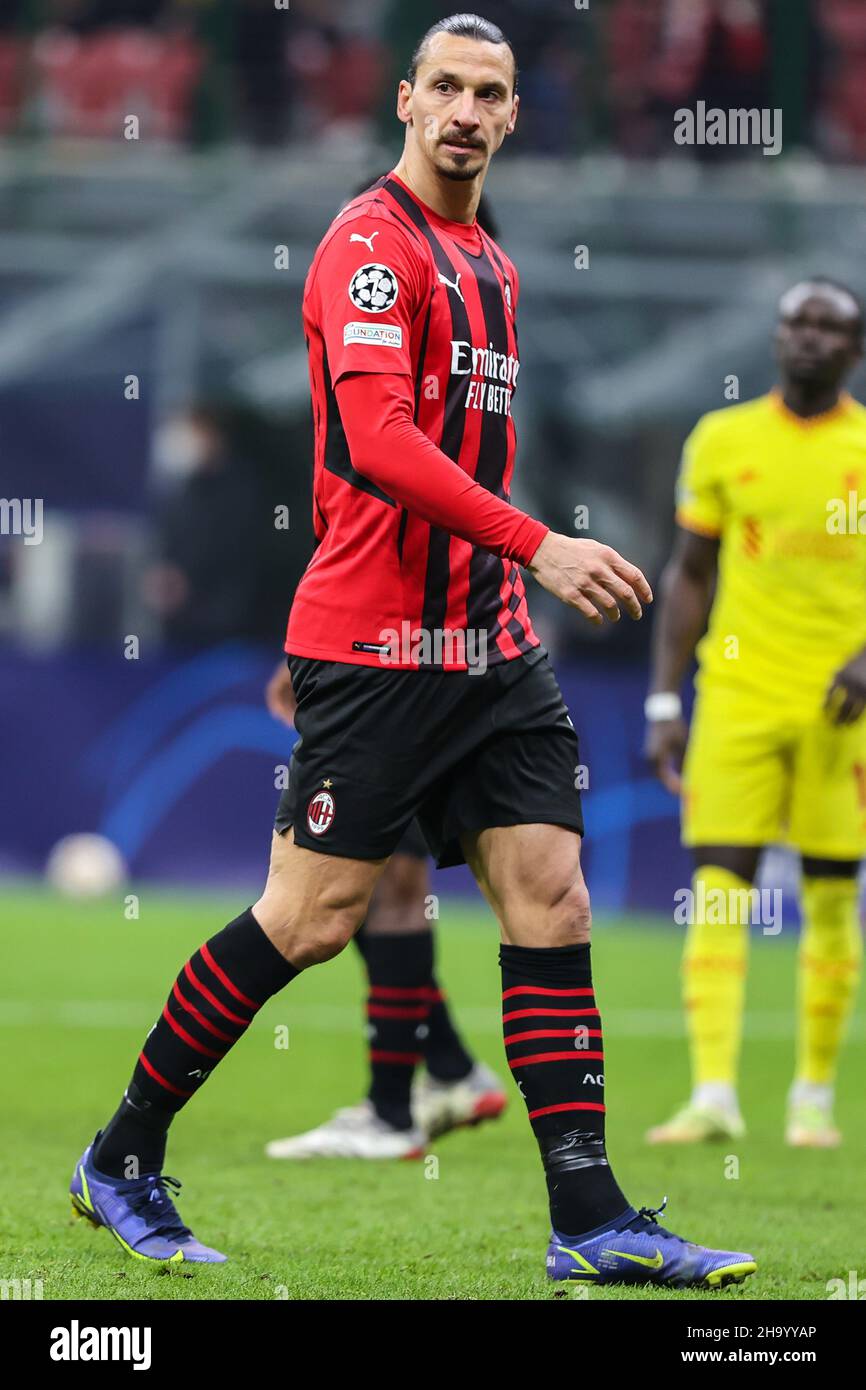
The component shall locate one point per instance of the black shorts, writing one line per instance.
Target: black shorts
(459, 750)
(412, 841)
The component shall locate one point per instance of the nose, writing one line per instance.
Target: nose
(809, 338)
(464, 117)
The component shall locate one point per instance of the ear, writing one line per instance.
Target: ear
(512, 120)
(404, 101)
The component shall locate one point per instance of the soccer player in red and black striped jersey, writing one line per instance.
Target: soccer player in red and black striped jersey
(422, 688)
(408, 1019)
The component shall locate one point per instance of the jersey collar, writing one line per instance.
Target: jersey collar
(842, 406)
(467, 233)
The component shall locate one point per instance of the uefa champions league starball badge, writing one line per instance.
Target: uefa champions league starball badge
(374, 288)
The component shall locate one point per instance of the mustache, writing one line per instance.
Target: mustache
(460, 140)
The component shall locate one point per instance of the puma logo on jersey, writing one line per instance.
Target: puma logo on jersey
(367, 240)
(453, 285)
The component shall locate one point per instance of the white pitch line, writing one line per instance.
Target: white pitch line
(346, 1018)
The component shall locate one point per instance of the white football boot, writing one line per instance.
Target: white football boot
(354, 1132)
(440, 1106)
(809, 1123)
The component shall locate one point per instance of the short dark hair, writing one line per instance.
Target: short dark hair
(829, 283)
(463, 26)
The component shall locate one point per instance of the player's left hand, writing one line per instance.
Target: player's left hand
(846, 698)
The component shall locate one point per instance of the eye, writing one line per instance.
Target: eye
(444, 87)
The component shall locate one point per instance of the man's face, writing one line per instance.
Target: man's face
(462, 105)
(817, 341)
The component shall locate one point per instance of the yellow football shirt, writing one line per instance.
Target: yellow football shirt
(786, 497)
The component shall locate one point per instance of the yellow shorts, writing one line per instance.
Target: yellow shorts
(755, 776)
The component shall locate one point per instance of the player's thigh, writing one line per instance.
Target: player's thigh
(532, 878)
(524, 770)
(313, 903)
(737, 775)
(400, 899)
(828, 799)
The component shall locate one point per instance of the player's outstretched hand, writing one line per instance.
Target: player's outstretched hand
(280, 696)
(846, 698)
(590, 577)
(665, 749)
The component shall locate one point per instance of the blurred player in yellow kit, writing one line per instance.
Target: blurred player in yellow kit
(770, 547)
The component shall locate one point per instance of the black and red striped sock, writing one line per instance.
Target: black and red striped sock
(553, 1041)
(445, 1056)
(399, 967)
(214, 1000)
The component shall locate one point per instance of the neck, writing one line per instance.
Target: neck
(455, 199)
(807, 401)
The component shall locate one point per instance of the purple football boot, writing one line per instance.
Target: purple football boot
(637, 1250)
(139, 1213)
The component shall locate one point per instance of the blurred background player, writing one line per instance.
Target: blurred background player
(408, 1020)
(768, 547)
(204, 578)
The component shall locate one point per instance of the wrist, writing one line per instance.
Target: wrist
(662, 705)
(528, 540)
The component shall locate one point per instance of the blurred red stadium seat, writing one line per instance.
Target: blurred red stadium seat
(11, 81)
(89, 85)
(843, 23)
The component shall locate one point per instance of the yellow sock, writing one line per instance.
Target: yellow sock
(831, 949)
(714, 973)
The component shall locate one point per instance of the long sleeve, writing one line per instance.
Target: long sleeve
(386, 446)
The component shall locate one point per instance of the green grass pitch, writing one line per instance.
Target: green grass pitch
(82, 984)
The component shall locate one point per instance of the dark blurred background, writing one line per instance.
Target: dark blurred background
(166, 170)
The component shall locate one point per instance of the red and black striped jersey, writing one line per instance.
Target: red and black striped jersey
(397, 293)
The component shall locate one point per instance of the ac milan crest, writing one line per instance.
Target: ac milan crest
(320, 813)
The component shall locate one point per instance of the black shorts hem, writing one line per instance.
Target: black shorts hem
(452, 854)
(333, 849)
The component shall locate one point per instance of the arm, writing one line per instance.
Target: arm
(686, 597)
(387, 447)
(280, 695)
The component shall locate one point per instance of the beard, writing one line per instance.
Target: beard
(459, 173)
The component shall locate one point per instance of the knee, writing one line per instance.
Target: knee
(307, 935)
(324, 938)
(570, 914)
(551, 909)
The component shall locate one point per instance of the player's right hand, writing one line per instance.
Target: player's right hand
(591, 577)
(665, 749)
(280, 695)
